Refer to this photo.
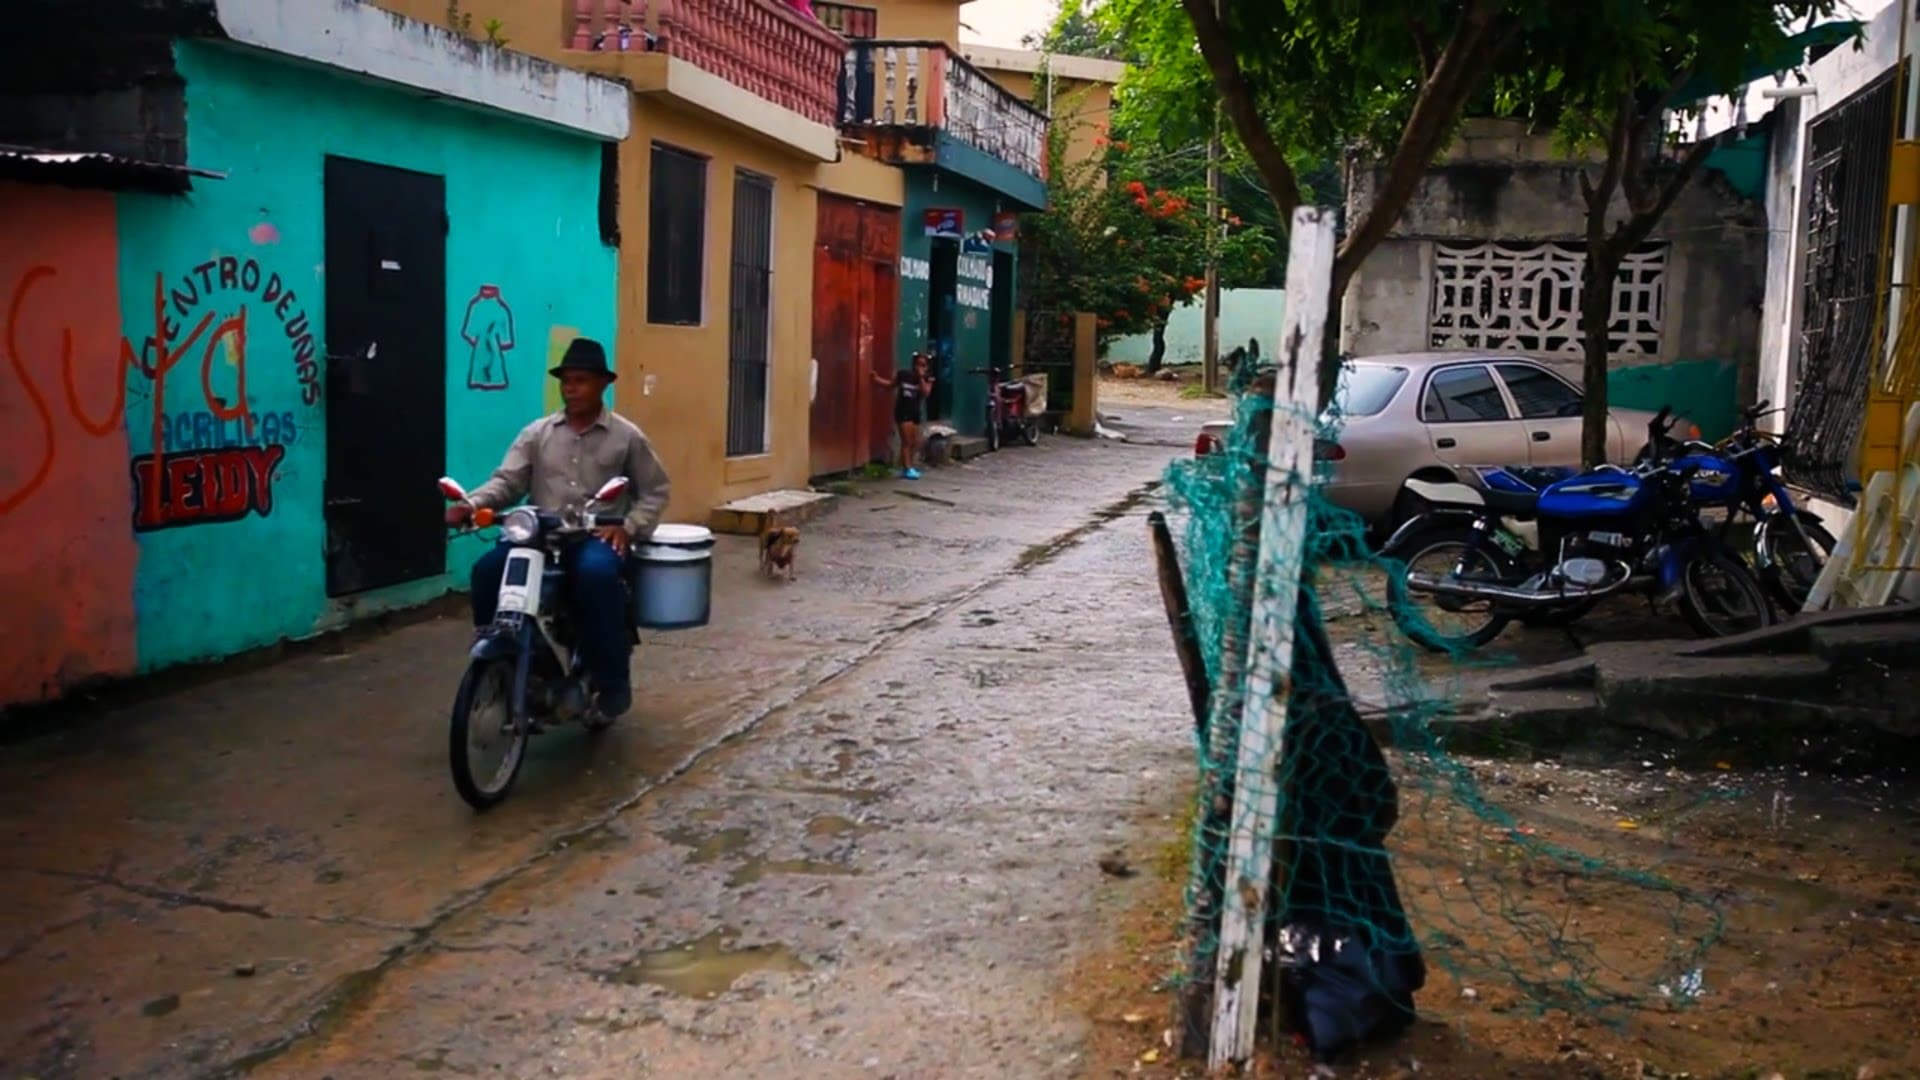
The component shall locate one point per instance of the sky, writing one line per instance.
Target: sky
(1004, 22)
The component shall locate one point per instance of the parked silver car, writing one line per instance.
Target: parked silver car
(1418, 414)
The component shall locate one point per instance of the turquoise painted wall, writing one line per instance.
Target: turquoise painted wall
(524, 219)
(1705, 391)
(973, 338)
(1244, 314)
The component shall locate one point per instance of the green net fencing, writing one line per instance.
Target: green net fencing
(1382, 838)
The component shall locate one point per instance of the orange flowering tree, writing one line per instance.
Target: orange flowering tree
(1129, 251)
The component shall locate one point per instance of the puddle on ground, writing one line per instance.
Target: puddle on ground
(753, 870)
(831, 825)
(709, 847)
(707, 967)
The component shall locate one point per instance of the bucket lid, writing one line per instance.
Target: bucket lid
(680, 535)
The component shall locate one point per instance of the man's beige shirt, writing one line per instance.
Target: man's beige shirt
(559, 467)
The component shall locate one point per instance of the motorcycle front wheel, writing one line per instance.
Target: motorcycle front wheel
(993, 429)
(484, 745)
(1720, 597)
(1793, 557)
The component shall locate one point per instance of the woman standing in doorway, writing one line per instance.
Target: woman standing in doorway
(911, 389)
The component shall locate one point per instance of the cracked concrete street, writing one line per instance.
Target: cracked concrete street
(853, 825)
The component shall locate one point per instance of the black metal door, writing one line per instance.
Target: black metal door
(386, 391)
(749, 307)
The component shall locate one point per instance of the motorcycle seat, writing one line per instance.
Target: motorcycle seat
(1523, 504)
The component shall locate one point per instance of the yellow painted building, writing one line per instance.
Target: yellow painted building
(752, 147)
(718, 187)
(1076, 91)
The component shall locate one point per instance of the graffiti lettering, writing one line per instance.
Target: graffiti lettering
(228, 274)
(973, 296)
(205, 431)
(42, 466)
(200, 487)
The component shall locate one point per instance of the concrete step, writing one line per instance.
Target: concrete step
(755, 514)
(967, 447)
(1852, 643)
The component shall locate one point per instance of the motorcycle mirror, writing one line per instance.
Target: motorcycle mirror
(451, 488)
(611, 490)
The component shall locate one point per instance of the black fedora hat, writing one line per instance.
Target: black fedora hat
(585, 354)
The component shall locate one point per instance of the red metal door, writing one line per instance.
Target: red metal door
(856, 252)
(879, 314)
(836, 438)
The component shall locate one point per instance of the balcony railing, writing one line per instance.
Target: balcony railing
(926, 84)
(762, 46)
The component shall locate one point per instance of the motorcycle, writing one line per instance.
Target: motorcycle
(1549, 544)
(1741, 473)
(524, 671)
(1009, 411)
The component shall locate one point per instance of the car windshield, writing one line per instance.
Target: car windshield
(1365, 389)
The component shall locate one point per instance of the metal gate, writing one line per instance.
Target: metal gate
(1846, 185)
(749, 305)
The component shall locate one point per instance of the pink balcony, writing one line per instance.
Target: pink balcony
(761, 46)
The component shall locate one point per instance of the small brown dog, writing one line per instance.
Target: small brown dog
(777, 548)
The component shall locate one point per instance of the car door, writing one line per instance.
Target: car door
(1468, 418)
(1549, 412)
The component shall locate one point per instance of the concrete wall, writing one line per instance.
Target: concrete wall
(1499, 184)
(65, 488)
(1244, 313)
(1084, 110)
(919, 20)
(116, 588)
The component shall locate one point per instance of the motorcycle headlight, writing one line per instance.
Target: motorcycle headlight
(520, 526)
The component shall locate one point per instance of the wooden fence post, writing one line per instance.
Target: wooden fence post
(1276, 596)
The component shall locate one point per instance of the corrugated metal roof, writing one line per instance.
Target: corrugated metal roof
(95, 169)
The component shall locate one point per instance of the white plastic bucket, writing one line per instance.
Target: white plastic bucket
(674, 588)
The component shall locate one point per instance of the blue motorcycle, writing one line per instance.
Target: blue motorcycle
(1546, 545)
(1741, 475)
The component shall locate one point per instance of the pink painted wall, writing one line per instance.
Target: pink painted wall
(65, 490)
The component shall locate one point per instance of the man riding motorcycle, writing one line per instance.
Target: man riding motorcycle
(561, 460)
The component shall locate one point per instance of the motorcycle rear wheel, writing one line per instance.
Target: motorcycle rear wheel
(482, 720)
(1720, 597)
(1030, 432)
(1441, 551)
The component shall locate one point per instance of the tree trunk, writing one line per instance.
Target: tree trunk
(1596, 311)
(1158, 356)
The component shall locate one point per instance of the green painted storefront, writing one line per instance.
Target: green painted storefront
(957, 296)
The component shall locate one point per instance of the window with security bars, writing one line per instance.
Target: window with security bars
(676, 237)
(1525, 297)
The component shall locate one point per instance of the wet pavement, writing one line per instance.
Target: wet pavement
(853, 825)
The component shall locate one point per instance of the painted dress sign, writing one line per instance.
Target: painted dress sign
(488, 331)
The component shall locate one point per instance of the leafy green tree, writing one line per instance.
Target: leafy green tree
(1616, 85)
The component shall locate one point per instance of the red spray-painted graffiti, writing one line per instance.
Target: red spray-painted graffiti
(202, 487)
(189, 487)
